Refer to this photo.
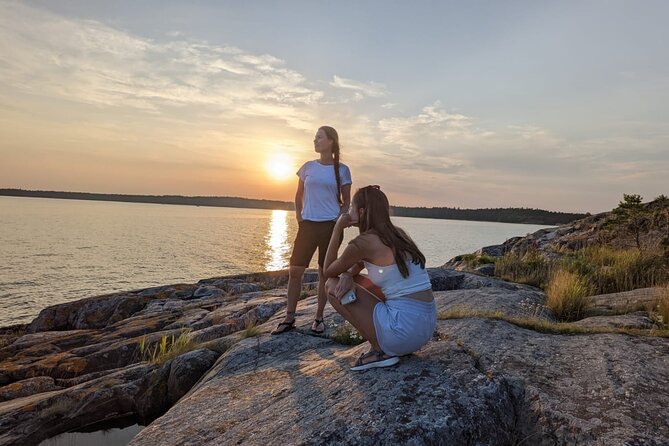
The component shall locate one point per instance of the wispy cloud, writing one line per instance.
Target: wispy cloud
(360, 90)
(90, 62)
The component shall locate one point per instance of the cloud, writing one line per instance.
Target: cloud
(92, 63)
(431, 124)
(360, 90)
(485, 162)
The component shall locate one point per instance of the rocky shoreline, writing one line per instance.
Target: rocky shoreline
(484, 379)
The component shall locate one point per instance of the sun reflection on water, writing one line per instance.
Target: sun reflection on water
(277, 241)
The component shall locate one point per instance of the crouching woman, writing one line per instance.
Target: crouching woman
(394, 306)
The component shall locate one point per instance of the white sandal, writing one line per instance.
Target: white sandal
(382, 360)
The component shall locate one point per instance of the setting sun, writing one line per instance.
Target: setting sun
(280, 167)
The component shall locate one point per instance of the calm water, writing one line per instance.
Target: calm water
(54, 251)
(107, 437)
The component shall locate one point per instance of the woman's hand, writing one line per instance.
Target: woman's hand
(344, 221)
(345, 283)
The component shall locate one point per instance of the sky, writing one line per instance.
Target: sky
(554, 105)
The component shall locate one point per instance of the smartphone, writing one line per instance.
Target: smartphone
(348, 298)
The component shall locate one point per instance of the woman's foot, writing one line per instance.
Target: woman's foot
(284, 327)
(318, 326)
(287, 324)
(372, 359)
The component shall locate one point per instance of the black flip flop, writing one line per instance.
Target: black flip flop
(288, 326)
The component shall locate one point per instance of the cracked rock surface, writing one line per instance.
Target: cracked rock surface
(479, 381)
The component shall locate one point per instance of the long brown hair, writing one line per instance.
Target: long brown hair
(376, 217)
(332, 135)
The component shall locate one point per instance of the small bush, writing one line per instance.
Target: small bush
(530, 268)
(347, 334)
(567, 295)
(464, 257)
(473, 260)
(484, 259)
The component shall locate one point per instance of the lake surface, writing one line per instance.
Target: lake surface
(54, 251)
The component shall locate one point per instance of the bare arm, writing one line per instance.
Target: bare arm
(350, 258)
(346, 198)
(299, 200)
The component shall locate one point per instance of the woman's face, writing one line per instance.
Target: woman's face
(322, 144)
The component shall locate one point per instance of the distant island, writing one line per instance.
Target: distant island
(500, 215)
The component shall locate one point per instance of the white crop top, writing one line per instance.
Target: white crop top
(391, 282)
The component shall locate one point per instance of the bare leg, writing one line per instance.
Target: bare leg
(322, 300)
(295, 275)
(360, 313)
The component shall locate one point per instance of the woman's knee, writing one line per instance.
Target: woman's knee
(296, 273)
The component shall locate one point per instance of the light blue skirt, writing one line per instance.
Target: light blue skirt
(403, 325)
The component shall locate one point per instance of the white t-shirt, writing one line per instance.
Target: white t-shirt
(320, 190)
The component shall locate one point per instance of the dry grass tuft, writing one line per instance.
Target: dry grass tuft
(251, 330)
(567, 295)
(168, 347)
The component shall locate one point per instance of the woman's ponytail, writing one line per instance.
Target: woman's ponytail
(332, 135)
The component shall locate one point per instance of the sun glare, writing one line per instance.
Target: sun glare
(280, 167)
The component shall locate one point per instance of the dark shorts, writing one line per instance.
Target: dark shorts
(311, 235)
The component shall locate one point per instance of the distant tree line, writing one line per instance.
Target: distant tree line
(502, 215)
(233, 202)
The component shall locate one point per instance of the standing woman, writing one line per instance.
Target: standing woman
(323, 194)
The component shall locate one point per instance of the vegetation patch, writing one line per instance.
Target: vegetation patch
(474, 260)
(610, 268)
(544, 326)
(567, 295)
(347, 334)
(8, 336)
(168, 347)
(530, 268)
(251, 330)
